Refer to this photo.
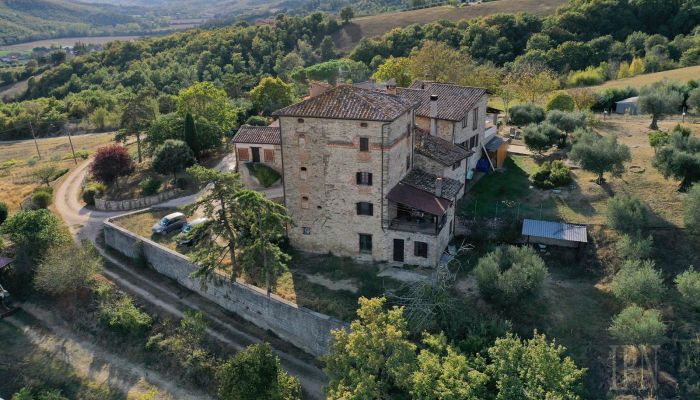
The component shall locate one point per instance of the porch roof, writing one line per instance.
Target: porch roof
(419, 199)
(257, 135)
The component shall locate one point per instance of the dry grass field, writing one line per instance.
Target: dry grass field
(18, 162)
(680, 74)
(377, 25)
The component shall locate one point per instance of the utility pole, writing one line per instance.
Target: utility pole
(65, 127)
(31, 127)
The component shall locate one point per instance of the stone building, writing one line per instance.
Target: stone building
(362, 180)
(257, 144)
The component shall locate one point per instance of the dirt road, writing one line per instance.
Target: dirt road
(170, 299)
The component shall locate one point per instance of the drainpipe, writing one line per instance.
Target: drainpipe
(381, 212)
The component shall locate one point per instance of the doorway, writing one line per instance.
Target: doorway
(256, 154)
(398, 250)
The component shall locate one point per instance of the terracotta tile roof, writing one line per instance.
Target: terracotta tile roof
(438, 149)
(422, 180)
(350, 102)
(454, 101)
(257, 135)
(420, 199)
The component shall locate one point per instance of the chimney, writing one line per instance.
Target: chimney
(438, 186)
(433, 114)
(391, 86)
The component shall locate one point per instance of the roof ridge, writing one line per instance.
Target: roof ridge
(365, 100)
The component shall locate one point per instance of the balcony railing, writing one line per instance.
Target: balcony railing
(430, 225)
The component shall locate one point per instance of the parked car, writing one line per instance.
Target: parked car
(191, 232)
(169, 223)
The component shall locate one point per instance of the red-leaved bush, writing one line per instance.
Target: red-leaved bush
(110, 163)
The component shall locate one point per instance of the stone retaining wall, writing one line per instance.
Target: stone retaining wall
(306, 329)
(134, 204)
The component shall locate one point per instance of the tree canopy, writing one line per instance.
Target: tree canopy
(600, 154)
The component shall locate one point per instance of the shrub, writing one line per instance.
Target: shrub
(657, 138)
(84, 154)
(627, 214)
(123, 317)
(3, 212)
(42, 198)
(560, 101)
(691, 214)
(172, 157)
(606, 99)
(525, 114)
(638, 282)
(635, 247)
(589, 77)
(688, 284)
(511, 274)
(32, 161)
(67, 268)
(551, 174)
(150, 186)
(92, 190)
(34, 231)
(256, 120)
(110, 163)
(637, 326)
(264, 174)
(256, 373)
(541, 137)
(566, 121)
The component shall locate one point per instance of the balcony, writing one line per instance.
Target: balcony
(410, 219)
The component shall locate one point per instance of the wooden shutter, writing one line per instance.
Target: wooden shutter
(268, 155)
(369, 179)
(243, 154)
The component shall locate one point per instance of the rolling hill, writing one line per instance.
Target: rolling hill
(23, 20)
(680, 74)
(379, 24)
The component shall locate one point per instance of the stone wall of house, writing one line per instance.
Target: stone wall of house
(275, 164)
(445, 129)
(322, 199)
(306, 329)
(436, 243)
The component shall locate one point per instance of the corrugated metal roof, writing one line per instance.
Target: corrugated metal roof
(555, 230)
(629, 100)
(495, 143)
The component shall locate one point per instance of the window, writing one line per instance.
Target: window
(420, 249)
(473, 142)
(304, 202)
(364, 144)
(365, 243)
(300, 120)
(306, 230)
(363, 124)
(302, 141)
(364, 178)
(475, 118)
(365, 208)
(243, 155)
(465, 120)
(302, 173)
(456, 165)
(269, 155)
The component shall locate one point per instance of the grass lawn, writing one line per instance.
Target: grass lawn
(264, 174)
(509, 194)
(680, 74)
(24, 363)
(18, 160)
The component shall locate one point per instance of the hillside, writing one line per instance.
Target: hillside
(23, 20)
(376, 25)
(680, 74)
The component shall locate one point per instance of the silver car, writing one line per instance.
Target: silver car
(189, 234)
(169, 223)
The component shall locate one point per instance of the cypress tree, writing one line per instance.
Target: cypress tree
(191, 136)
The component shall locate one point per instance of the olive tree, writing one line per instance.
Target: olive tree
(659, 100)
(541, 137)
(688, 284)
(637, 326)
(638, 282)
(679, 157)
(507, 275)
(600, 154)
(691, 215)
(627, 214)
